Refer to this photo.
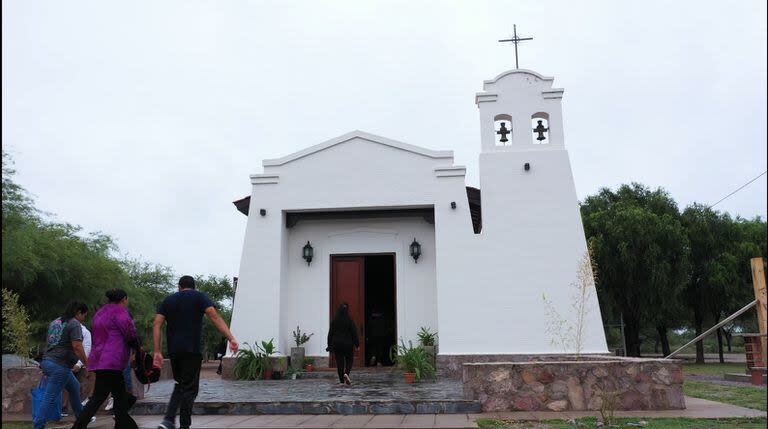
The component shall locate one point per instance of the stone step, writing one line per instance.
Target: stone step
(148, 407)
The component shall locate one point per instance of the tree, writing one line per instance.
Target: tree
(149, 284)
(641, 251)
(712, 279)
(222, 292)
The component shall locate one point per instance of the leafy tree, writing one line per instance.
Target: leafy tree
(641, 251)
(149, 285)
(48, 264)
(222, 292)
(712, 279)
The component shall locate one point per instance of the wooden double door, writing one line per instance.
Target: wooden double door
(348, 284)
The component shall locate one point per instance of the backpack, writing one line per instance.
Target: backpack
(144, 369)
(55, 329)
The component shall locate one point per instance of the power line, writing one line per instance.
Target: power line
(740, 188)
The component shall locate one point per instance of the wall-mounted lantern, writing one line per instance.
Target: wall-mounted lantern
(415, 250)
(307, 252)
(263, 212)
(527, 166)
(453, 205)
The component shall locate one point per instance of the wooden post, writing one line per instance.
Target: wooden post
(758, 280)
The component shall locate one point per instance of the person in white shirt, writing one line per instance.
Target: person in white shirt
(85, 377)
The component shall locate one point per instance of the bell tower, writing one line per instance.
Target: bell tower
(520, 111)
(532, 229)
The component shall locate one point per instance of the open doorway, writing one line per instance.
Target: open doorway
(380, 305)
(367, 284)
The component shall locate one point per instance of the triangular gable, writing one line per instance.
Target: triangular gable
(437, 154)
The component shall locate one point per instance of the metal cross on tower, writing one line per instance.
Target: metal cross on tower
(516, 40)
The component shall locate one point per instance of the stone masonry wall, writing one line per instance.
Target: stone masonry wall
(451, 366)
(18, 383)
(638, 384)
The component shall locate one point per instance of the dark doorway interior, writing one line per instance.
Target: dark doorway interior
(380, 305)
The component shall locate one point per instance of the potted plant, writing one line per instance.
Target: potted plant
(248, 363)
(267, 348)
(414, 360)
(297, 353)
(309, 363)
(428, 339)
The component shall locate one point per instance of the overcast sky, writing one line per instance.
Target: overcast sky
(144, 119)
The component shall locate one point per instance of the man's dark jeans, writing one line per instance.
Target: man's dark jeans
(186, 372)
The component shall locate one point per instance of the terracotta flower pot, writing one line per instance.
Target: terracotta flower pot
(309, 367)
(268, 374)
(410, 377)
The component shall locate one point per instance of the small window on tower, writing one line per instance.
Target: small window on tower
(502, 126)
(540, 127)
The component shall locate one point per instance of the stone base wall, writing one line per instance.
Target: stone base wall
(18, 383)
(451, 366)
(322, 361)
(584, 384)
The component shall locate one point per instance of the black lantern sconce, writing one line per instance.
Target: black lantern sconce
(415, 250)
(307, 252)
(527, 166)
(263, 212)
(453, 205)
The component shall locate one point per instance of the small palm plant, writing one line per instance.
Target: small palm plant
(414, 360)
(427, 338)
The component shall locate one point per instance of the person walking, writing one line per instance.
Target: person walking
(65, 346)
(342, 339)
(80, 372)
(114, 333)
(183, 313)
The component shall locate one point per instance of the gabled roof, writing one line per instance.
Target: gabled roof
(437, 154)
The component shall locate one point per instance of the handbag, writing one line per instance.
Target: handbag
(144, 369)
(38, 397)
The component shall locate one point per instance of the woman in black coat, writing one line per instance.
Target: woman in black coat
(342, 341)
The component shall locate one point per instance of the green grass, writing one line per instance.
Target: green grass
(713, 368)
(591, 422)
(17, 425)
(743, 396)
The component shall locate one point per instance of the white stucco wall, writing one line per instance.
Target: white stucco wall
(487, 287)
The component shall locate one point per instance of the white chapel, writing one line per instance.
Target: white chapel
(393, 230)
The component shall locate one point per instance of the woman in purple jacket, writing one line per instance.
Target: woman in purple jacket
(113, 331)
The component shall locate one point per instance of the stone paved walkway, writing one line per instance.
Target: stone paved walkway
(697, 408)
(374, 393)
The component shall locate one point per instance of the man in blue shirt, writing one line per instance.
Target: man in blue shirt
(183, 312)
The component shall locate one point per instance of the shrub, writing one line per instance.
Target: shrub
(251, 363)
(15, 325)
(248, 363)
(300, 338)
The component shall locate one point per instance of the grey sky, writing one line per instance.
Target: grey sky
(144, 119)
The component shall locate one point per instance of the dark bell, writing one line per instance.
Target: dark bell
(541, 129)
(503, 132)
